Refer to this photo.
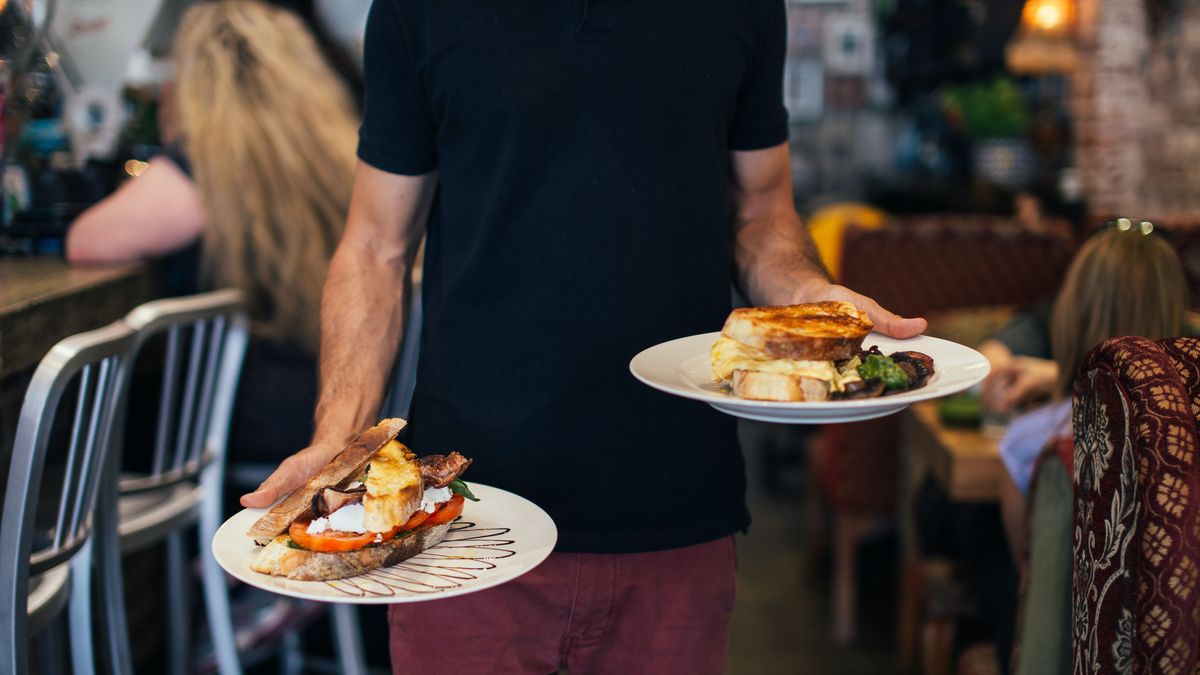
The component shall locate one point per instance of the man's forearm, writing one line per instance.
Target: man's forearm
(776, 259)
(362, 320)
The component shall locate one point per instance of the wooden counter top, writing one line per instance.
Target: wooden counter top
(43, 300)
(964, 461)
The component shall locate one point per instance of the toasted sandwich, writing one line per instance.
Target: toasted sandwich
(373, 505)
(790, 353)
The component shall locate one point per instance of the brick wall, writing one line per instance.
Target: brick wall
(1107, 101)
(1171, 141)
(1136, 104)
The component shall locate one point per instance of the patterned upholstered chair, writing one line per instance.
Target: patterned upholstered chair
(1137, 508)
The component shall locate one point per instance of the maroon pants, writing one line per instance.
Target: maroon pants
(659, 612)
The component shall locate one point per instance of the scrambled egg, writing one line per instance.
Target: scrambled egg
(393, 488)
(729, 355)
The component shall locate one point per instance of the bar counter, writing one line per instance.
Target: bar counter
(43, 299)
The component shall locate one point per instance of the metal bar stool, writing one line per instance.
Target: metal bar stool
(35, 557)
(206, 339)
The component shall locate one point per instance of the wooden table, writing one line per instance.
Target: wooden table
(43, 300)
(965, 462)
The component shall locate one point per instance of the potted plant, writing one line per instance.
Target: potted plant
(996, 119)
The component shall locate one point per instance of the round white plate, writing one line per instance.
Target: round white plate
(681, 367)
(497, 539)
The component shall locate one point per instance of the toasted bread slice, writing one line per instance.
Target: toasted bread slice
(345, 467)
(280, 559)
(818, 331)
(762, 386)
(394, 488)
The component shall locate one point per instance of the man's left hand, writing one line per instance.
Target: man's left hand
(888, 323)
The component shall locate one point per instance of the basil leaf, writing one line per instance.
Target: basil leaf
(460, 488)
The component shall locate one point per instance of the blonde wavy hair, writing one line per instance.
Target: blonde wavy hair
(270, 133)
(1119, 283)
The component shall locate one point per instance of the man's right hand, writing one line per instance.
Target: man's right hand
(362, 318)
(291, 474)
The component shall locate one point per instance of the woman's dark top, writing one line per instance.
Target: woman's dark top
(277, 392)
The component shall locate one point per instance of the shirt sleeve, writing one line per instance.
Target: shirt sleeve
(174, 152)
(1028, 435)
(1027, 333)
(761, 120)
(397, 133)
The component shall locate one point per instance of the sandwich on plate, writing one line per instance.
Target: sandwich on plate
(373, 505)
(809, 352)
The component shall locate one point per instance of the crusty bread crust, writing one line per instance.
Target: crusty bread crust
(279, 559)
(757, 385)
(345, 467)
(818, 331)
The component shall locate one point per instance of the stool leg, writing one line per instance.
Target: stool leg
(48, 647)
(291, 661)
(177, 604)
(847, 530)
(349, 639)
(79, 612)
(111, 591)
(908, 623)
(216, 593)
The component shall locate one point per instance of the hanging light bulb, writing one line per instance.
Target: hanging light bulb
(1047, 16)
(1045, 40)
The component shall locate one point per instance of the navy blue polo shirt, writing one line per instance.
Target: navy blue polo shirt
(582, 149)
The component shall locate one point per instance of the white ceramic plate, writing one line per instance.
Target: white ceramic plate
(497, 539)
(681, 367)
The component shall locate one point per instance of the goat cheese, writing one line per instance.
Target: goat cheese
(349, 518)
(434, 496)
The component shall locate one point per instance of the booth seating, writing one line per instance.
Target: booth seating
(1137, 556)
(917, 265)
(49, 526)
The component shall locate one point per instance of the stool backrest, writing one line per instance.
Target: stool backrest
(98, 360)
(206, 338)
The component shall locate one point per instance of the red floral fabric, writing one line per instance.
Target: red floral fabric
(1137, 553)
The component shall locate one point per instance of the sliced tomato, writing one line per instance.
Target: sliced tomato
(332, 541)
(415, 521)
(448, 511)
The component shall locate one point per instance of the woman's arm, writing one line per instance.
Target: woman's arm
(151, 215)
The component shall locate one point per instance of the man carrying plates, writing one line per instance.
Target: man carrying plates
(580, 170)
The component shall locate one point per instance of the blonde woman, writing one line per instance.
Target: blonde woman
(1121, 282)
(262, 138)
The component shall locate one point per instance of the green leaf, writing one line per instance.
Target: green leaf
(460, 488)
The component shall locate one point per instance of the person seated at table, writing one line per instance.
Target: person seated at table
(257, 175)
(1121, 282)
(1023, 368)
